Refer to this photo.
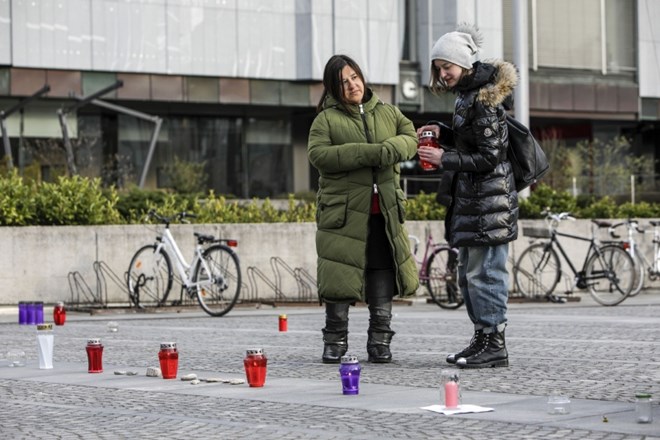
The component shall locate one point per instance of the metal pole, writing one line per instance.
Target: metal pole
(152, 147)
(5, 141)
(521, 60)
(575, 191)
(84, 100)
(61, 114)
(70, 160)
(127, 111)
(632, 189)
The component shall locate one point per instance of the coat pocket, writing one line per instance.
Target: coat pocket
(331, 212)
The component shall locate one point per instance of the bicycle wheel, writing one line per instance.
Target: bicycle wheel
(442, 282)
(610, 275)
(640, 274)
(537, 271)
(149, 277)
(217, 280)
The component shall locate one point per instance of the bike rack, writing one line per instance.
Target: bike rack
(97, 297)
(304, 281)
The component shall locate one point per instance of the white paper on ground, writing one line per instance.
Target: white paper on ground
(461, 409)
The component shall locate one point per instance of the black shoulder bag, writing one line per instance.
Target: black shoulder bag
(525, 154)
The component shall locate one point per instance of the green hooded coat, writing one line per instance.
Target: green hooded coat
(354, 153)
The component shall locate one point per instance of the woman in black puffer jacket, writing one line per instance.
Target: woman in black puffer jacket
(483, 215)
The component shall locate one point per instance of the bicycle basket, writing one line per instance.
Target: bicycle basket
(530, 231)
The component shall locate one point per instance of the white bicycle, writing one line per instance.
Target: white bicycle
(645, 267)
(213, 276)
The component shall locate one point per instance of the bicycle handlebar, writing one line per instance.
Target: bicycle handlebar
(417, 242)
(632, 225)
(180, 216)
(555, 218)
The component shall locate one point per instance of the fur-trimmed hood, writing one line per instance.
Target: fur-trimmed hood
(501, 85)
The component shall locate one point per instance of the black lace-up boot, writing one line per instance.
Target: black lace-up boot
(469, 350)
(491, 353)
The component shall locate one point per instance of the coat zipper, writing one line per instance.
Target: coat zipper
(364, 123)
(368, 136)
(373, 173)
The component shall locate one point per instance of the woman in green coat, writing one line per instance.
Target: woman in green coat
(357, 142)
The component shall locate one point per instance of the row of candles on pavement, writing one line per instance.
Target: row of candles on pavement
(255, 363)
(32, 313)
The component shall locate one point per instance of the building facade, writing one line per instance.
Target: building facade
(234, 84)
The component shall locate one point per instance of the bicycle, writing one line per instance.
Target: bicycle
(644, 266)
(607, 271)
(438, 271)
(213, 276)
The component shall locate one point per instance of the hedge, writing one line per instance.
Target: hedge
(82, 201)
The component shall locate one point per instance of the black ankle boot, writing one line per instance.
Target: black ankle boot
(469, 350)
(491, 353)
(378, 347)
(335, 346)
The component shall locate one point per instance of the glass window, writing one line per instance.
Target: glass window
(215, 141)
(244, 158)
(568, 34)
(268, 158)
(620, 28)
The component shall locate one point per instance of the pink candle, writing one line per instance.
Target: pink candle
(451, 394)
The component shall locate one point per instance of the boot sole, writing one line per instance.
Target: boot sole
(331, 361)
(491, 364)
(380, 361)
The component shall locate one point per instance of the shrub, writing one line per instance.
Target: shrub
(603, 208)
(544, 197)
(186, 177)
(425, 207)
(641, 209)
(75, 201)
(16, 200)
(81, 201)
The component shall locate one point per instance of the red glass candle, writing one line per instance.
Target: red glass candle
(169, 359)
(59, 314)
(255, 367)
(428, 139)
(94, 356)
(283, 324)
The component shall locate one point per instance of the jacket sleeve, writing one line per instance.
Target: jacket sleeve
(489, 134)
(330, 158)
(403, 146)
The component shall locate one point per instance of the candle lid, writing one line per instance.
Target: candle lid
(94, 341)
(255, 351)
(428, 133)
(44, 326)
(282, 316)
(167, 345)
(349, 359)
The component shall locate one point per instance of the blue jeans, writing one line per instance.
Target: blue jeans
(484, 283)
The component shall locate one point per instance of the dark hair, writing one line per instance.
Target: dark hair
(332, 84)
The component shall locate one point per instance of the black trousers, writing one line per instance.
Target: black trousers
(379, 254)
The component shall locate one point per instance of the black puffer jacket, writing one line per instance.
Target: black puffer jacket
(484, 206)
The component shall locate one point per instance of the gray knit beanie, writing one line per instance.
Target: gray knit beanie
(459, 47)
